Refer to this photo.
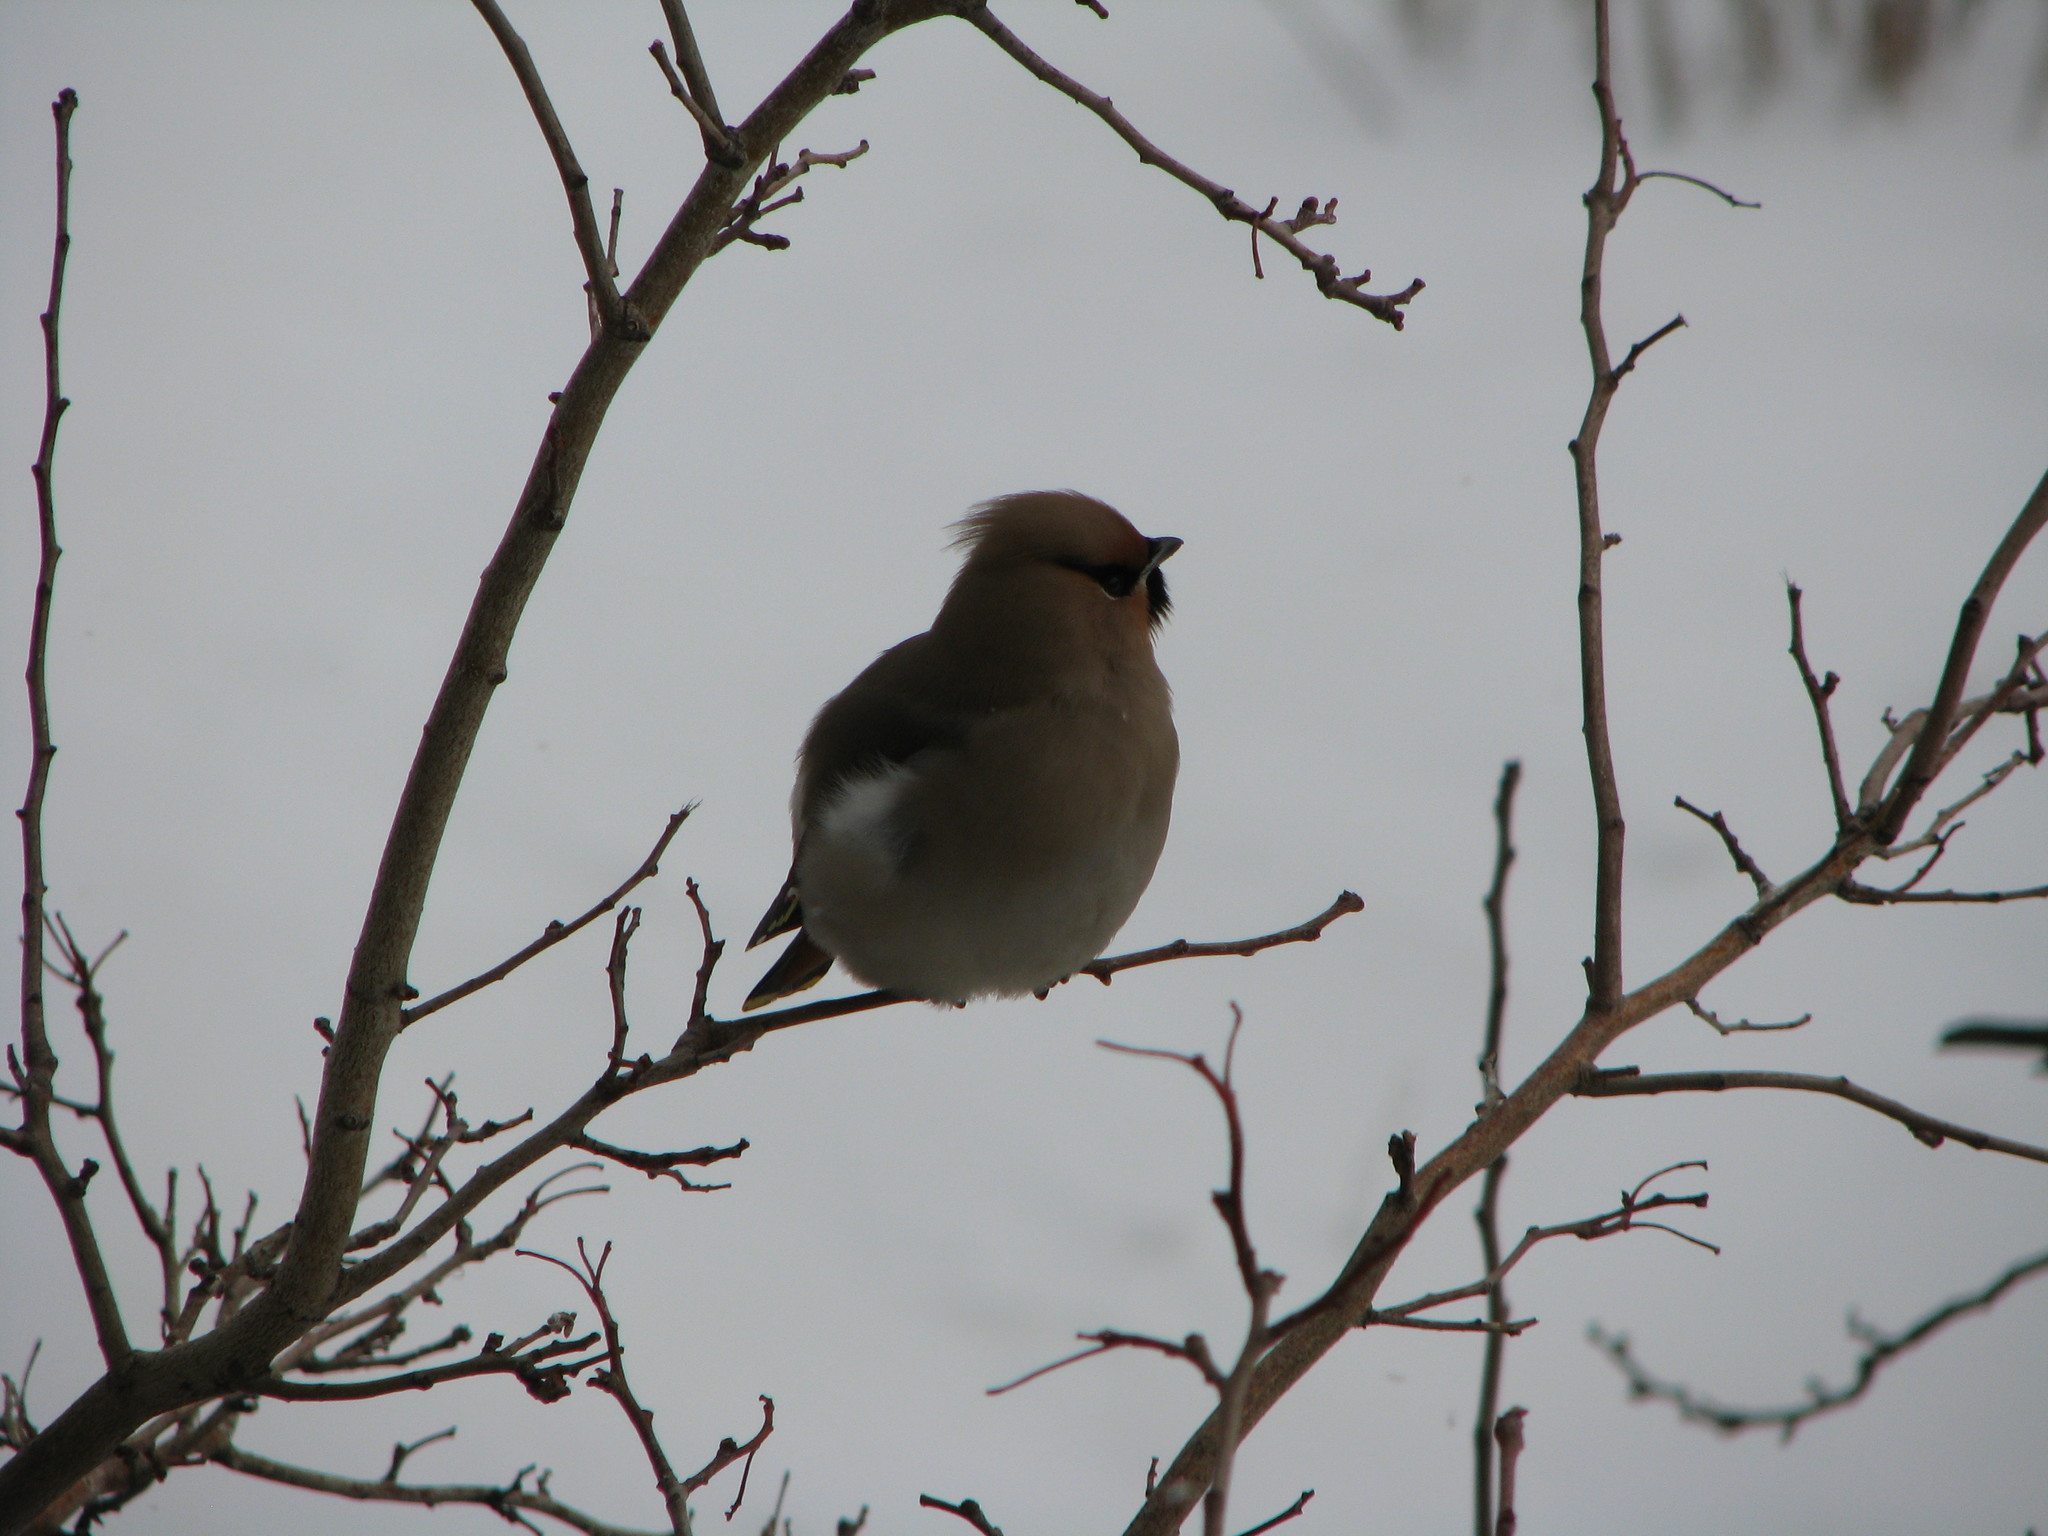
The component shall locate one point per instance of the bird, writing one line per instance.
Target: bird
(977, 813)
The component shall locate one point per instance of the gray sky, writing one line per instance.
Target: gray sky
(321, 286)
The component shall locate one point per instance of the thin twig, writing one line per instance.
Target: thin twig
(765, 198)
(1881, 1350)
(713, 949)
(82, 973)
(720, 142)
(1507, 1429)
(1285, 1515)
(35, 1069)
(1620, 1082)
(604, 291)
(1723, 1026)
(1873, 896)
(510, 1500)
(1181, 949)
(1260, 1284)
(1626, 1217)
(657, 1165)
(1932, 745)
(1696, 181)
(1743, 862)
(590, 1275)
(1486, 1215)
(1495, 907)
(1818, 691)
(555, 932)
(627, 924)
(544, 1373)
(1320, 265)
(1605, 201)
(1944, 823)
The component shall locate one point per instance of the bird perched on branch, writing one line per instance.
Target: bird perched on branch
(979, 811)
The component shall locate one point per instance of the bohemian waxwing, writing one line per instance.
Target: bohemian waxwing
(980, 810)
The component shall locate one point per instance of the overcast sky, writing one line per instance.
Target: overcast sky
(321, 287)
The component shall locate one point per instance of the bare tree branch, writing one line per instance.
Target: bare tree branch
(1180, 949)
(1744, 864)
(1605, 201)
(657, 1165)
(35, 1070)
(1619, 1082)
(1285, 1515)
(1882, 1350)
(720, 142)
(612, 312)
(1260, 1285)
(1507, 1430)
(1696, 181)
(1869, 895)
(966, 1509)
(1722, 1026)
(543, 1373)
(1497, 1327)
(1818, 691)
(768, 195)
(310, 1281)
(511, 1500)
(81, 972)
(1933, 739)
(555, 932)
(1282, 232)
(1626, 1217)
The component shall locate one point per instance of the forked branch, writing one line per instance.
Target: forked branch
(1881, 1349)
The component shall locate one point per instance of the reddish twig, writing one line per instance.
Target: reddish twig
(612, 1378)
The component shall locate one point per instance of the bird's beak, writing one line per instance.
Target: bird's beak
(1161, 551)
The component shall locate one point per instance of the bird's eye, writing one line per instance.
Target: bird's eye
(1118, 581)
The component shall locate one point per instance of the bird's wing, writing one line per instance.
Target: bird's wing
(891, 713)
(783, 914)
(883, 717)
(801, 965)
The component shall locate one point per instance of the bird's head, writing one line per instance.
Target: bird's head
(1066, 551)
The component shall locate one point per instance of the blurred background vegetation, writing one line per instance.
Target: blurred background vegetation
(1700, 55)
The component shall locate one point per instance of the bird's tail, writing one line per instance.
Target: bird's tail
(803, 964)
